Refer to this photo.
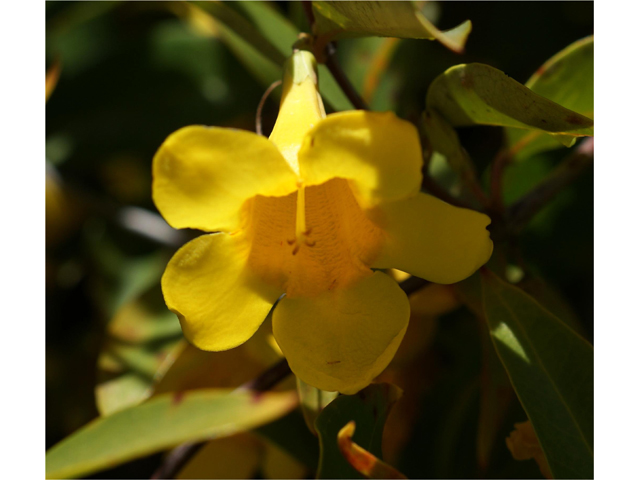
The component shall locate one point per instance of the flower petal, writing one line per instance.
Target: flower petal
(343, 338)
(203, 175)
(431, 239)
(219, 301)
(378, 152)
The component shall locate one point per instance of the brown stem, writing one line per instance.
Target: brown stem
(179, 456)
(307, 7)
(266, 94)
(521, 212)
(497, 171)
(343, 81)
(413, 284)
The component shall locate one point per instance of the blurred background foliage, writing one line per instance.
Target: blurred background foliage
(130, 73)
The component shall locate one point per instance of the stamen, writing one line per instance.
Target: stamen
(301, 227)
(302, 232)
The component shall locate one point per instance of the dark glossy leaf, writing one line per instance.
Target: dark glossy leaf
(161, 423)
(551, 370)
(369, 409)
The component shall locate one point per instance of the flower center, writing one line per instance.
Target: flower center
(313, 240)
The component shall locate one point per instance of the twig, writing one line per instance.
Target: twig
(180, 455)
(521, 212)
(497, 172)
(267, 379)
(341, 78)
(177, 459)
(413, 284)
(266, 94)
(307, 7)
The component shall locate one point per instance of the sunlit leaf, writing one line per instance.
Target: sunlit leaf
(567, 78)
(551, 370)
(478, 94)
(161, 423)
(363, 461)
(336, 20)
(369, 409)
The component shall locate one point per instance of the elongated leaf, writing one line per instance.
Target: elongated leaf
(477, 94)
(496, 394)
(336, 20)
(266, 27)
(282, 34)
(567, 79)
(244, 29)
(551, 370)
(161, 423)
(369, 409)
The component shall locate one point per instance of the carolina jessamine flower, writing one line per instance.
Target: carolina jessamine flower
(308, 213)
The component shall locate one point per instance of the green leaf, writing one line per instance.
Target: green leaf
(551, 370)
(247, 37)
(162, 423)
(142, 341)
(312, 401)
(244, 29)
(496, 394)
(567, 79)
(282, 34)
(335, 20)
(369, 409)
(479, 94)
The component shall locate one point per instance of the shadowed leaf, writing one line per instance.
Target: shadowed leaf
(551, 370)
(369, 409)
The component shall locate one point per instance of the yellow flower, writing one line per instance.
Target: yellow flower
(308, 213)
